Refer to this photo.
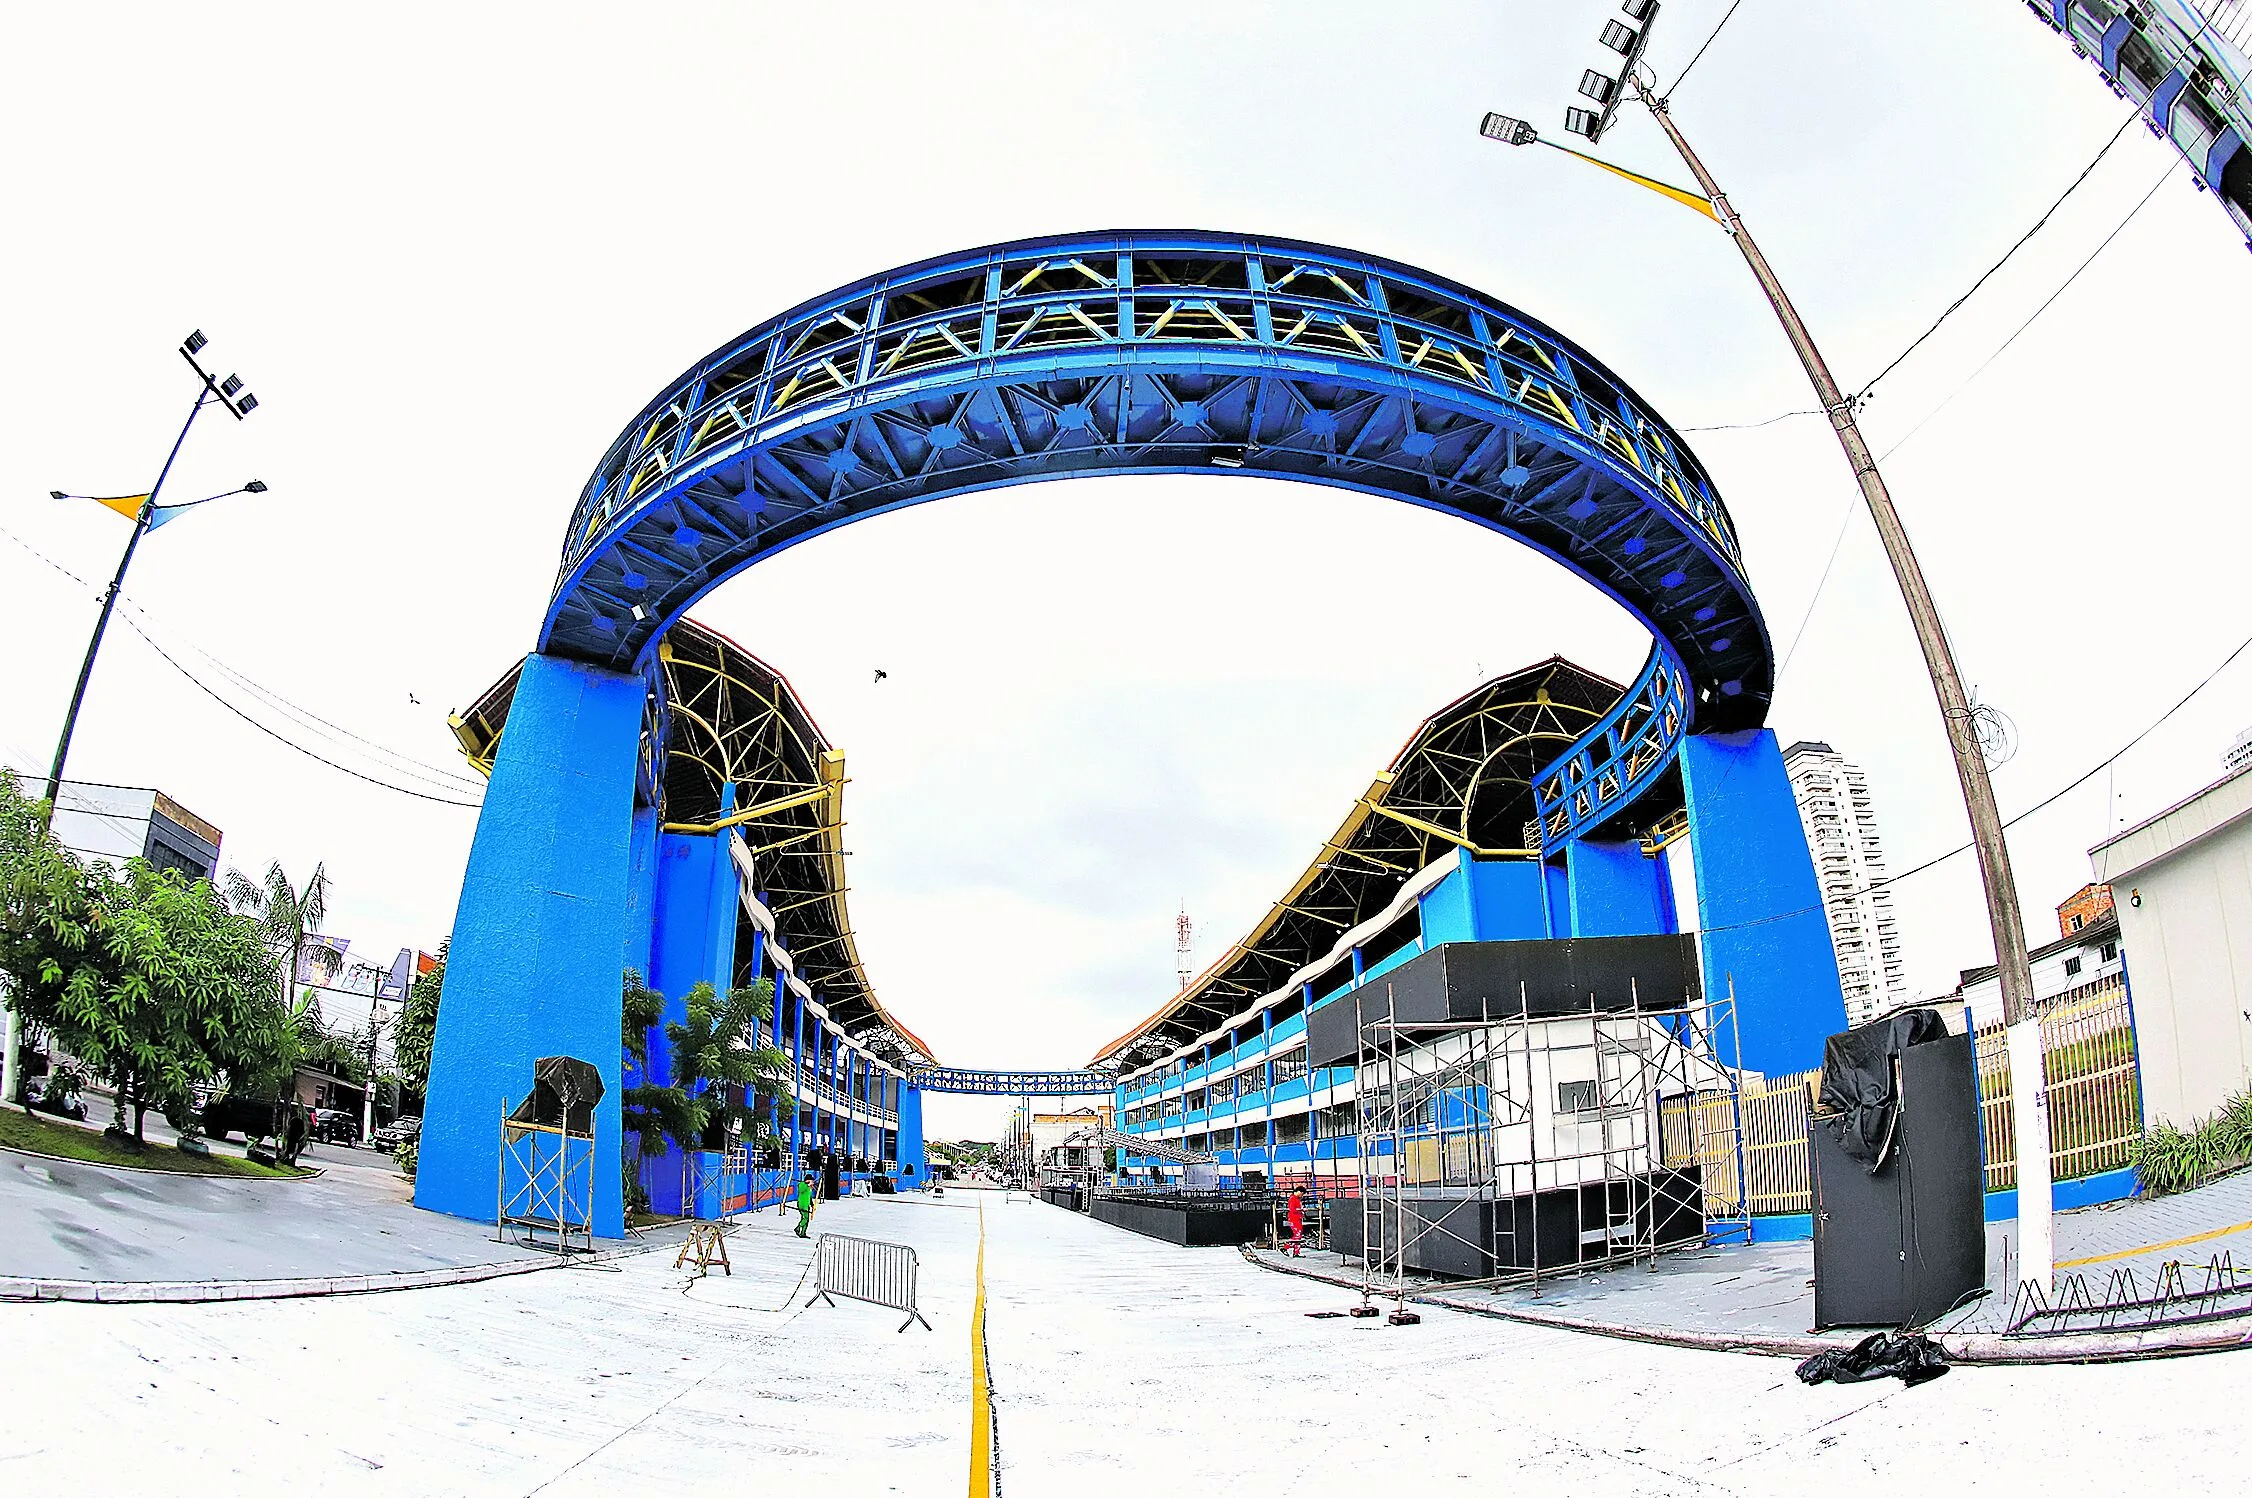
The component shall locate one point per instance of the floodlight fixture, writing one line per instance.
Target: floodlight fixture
(56, 494)
(1584, 122)
(247, 404)
(1598, 86)
(255, 486)
(1639, 10)
(1507, 129)
(230, 385)
(193, 343)
(1619, 37)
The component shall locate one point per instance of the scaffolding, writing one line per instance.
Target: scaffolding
(546, 1182)
(1500, 1149)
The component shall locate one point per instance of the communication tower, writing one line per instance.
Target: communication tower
(1183, 930)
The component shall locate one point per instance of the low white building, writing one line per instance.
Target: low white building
(2182, 891)
(118, 822)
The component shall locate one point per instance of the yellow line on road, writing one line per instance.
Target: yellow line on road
(2152, 1248)
(981, 1392)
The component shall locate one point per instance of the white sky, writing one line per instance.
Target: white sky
(455, 248)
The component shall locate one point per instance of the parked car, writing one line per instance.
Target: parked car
(398, 1131)
(336, 1126)
(232, 1114)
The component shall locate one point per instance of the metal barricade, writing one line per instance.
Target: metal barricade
(869, 1270)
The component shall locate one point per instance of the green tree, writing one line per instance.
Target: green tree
(720, 1082)
(717, 1061)
(148, 979)
(417, 1029)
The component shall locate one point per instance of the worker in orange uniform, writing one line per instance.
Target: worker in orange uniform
(1297, 1220)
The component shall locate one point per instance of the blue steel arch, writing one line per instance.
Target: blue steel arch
(1180, 352)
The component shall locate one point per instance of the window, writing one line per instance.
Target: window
(2078, 922)
(2110, 950)
(2140, 70)
(1575, 1097)
(2196, 127)
(1290, 1065)
(2072, 967)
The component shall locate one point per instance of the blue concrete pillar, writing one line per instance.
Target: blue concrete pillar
(1759, 908)
(698, 902)
(641, 891)
(913, 1169)
(1615, 891)
(540, 934)
(797, 1085)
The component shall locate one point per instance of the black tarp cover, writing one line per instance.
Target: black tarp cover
(558, 1081)
(1858, 1103)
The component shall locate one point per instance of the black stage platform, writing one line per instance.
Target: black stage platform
(1195, 1220)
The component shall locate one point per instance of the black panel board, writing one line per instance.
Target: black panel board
(1946, 1217)
(1470, 980)
(1859, 1270)
(1905, 1245)
(1200, 1225)
(1462, 1238)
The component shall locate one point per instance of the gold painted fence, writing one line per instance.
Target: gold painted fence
(2095, 1110)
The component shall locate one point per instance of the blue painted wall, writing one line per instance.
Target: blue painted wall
(1507, 900)
(1614, 891)
(537, 939)
(1757, 903)
(1448, 910)
(697, 904)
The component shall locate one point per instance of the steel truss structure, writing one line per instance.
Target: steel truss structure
(1180, 352)
(726, 742)
(1492, 1141)
(1013, 1083)
(1465, 778)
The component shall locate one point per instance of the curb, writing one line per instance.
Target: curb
(1979, 1348)
(306, 1172)
(196, 1292)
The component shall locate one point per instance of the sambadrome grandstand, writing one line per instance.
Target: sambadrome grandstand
(659, 799)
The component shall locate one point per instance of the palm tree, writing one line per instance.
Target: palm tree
(287, 918)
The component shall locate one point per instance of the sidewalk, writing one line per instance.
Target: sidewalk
(1760, 1298)
(75, 1231)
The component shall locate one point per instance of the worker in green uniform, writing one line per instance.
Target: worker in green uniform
(805, 1204)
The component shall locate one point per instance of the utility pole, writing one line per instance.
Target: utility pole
(2022, 1035)
(2022, 1029)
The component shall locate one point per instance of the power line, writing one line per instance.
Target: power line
(1954, 306)
(2034, 810)
(2023, 239)
(405, 764)
(1710, 38)
(2117, 229)
(284, 739)
(402, 763)
(1751, 426)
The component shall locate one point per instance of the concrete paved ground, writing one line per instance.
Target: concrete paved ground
(61, 1219)
(1120, 1366)
(1766, 1291)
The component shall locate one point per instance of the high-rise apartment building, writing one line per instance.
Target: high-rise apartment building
(1840, 819)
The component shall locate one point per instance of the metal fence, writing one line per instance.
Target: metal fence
(869, 1270)
(2095, 1107)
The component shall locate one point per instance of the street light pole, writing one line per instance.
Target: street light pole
(109, 602)
(239, 403)
(2036, 1247)
(2022, 1030)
